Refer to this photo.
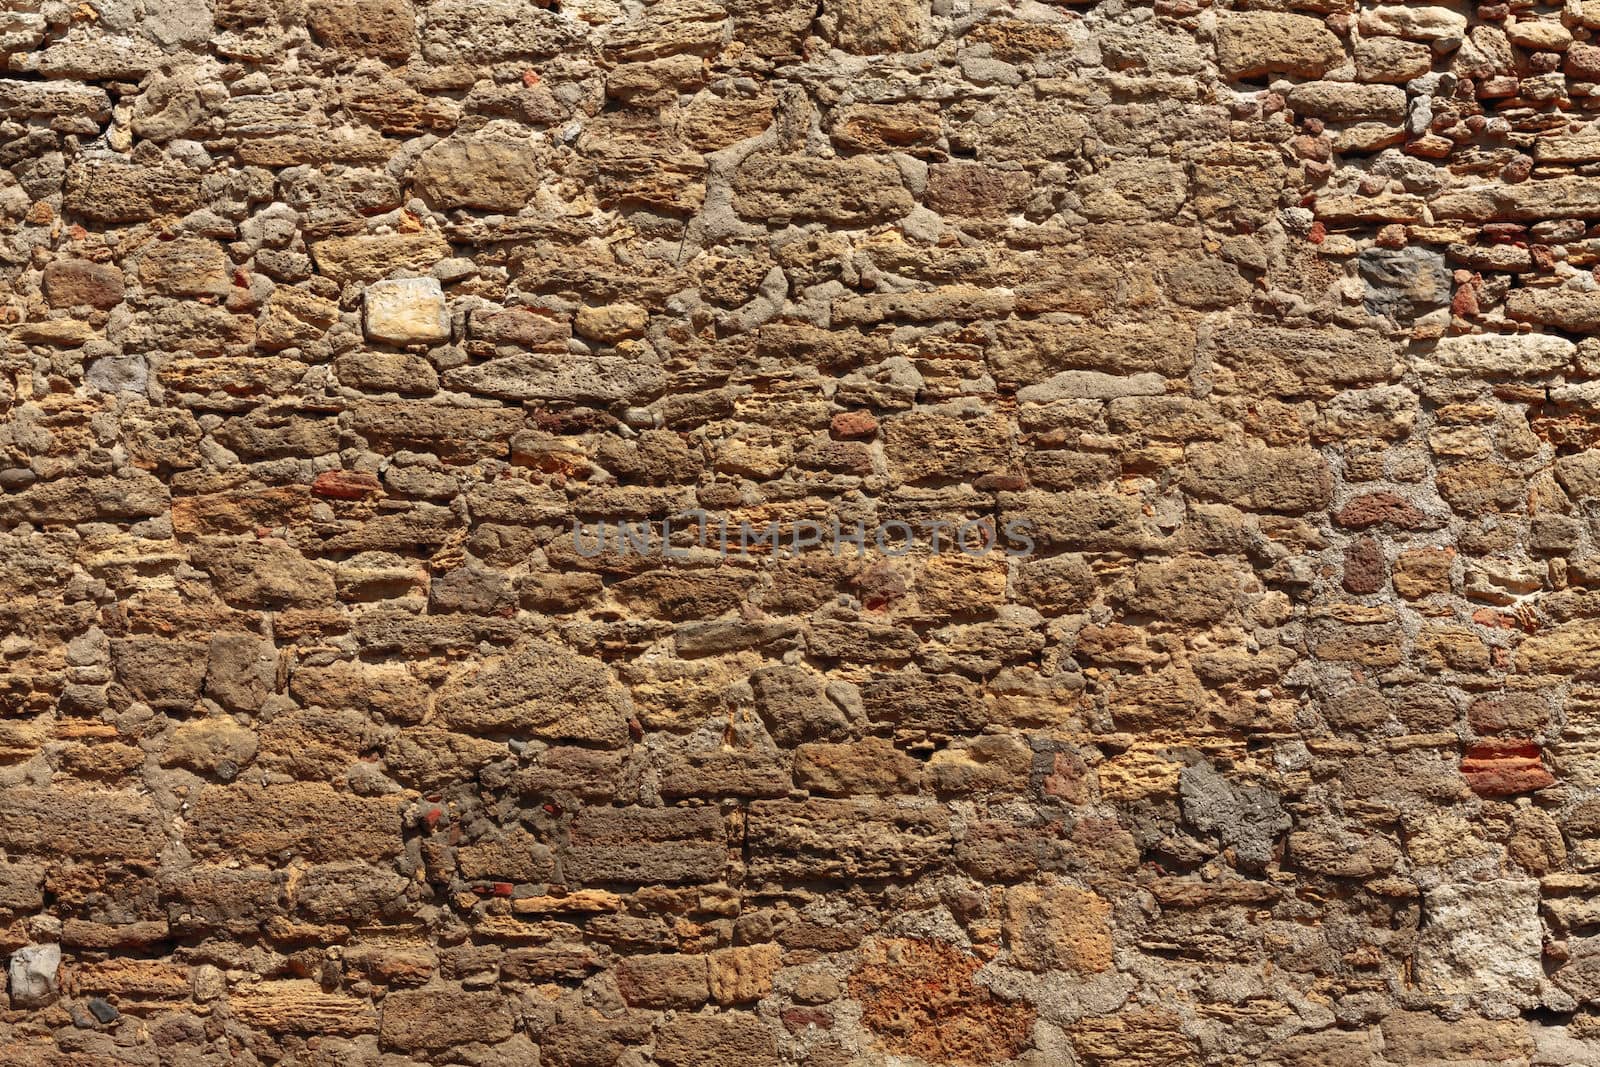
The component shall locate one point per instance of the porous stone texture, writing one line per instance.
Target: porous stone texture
(1275, 323)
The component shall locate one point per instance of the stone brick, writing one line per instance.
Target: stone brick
(443, 1017)
(305, 818)
(871, 765)
(1255, 43)
(977, 191)
(842, 191)
(485, 172)
(118, 192)
(1265, 479)
(1504, 767)
(1423, 571)
(870, 27)
(663, 981)
(924, 446)
(1190, 590)
(455, 434)
(405, 312)
(266, 574)
(1147, 1036)
(1417, 1037)
(645, 845)
(382, 28)
(75, 282)
(1056, 927)
(301, 1006)
(845, 838)
(88, 823)
(366, 258)
(723, 1038)
(743, 975)
(1364, 570)
(542, 690)
(294, 317)
(918, 998)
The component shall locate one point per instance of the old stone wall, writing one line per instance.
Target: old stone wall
(324, 743)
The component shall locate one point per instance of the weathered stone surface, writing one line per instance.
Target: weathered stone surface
(626, 377)
(1253, 43)
(664, 981)
(305, 818)
(456, 434)
(294, 317)
(1260, 730)
(83, 822)
(540, 690)
(1504, 767)
(1057, 927)
(919, 998)
(1511, 354)
(406, 312)
(266, 574)
(871, 765)
(1569, 309)
(647, 845)
(1416, 23)
(32, 975)
(743, 975)
(71, 282)
(731, 1038)
(1481, 937)
(300, 1005)
(444, 1016)
(365, 259)
(869, 27)
(1349, 101)
(1421, 1038)
(115, 192)
(1566, 197)
(492, 173)
(844, 838)
(1404, 284)
(382, 28)
(1387, 59)
(1289, 480)
(852, 191)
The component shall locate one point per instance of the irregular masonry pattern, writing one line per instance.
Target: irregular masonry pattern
(321, 743)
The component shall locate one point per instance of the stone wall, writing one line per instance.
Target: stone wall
(323, 742)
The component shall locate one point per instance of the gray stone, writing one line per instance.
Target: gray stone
(33, 975)
(1247, 819)
(1404, 284)
(118, 374)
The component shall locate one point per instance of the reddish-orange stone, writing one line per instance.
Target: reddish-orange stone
(345, 485)
(1505, 767)
(854, 425)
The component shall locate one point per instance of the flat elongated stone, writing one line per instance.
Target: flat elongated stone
(1569, 197)
(856, 190)
(1495, 353)
(1505, 767)
(1349, 101)
(1416, 23)
(1577, 310)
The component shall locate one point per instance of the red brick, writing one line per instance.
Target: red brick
(1505, 767)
